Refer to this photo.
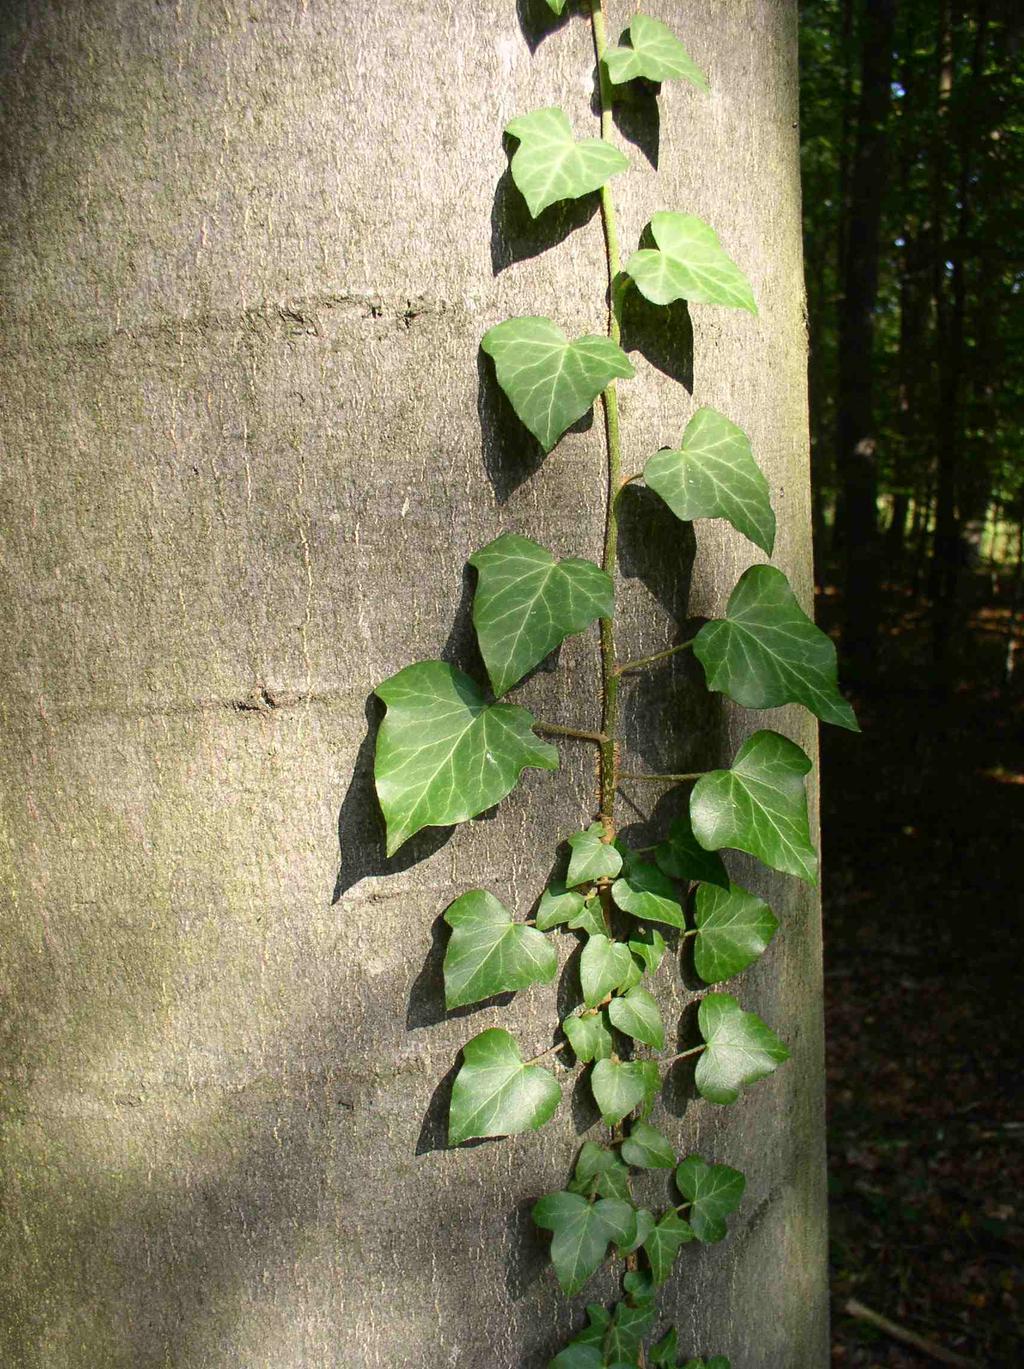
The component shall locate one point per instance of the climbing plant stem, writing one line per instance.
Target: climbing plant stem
(642, 662)
(557, 730)
(610, 405)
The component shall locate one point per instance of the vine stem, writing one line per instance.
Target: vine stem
(666, 779)
(557, 730)
(683, 1055)
(551, 1050)
(642, 662)
(610, 405)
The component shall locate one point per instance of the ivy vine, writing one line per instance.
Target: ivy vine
(446, 751)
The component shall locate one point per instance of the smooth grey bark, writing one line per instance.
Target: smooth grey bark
(250, 251)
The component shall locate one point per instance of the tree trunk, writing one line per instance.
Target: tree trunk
(251, 249)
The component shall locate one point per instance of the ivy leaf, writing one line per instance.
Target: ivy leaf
(689, 263)
(551, 165)
(759, 805)
(578, 1355)
(681, 856)
(636, 1014)
(740, 1049)
(713, 1192)
(664, 1242)
(592, 858)
(526, 603)
(603, 966)
(649, 948)
(650, 1076)
(646, 1148)
(557, 906)
(590, 919)
(495, 1093)
(589, 1037)
(629, 1325)
(443, 754)
(639, 1285)
(645, 1224)
(733, 928)
(551, 381)
(713, 474)
(556, 6)
(655, 54)
(579, 1240)
(598, 1321)
(600, 1173)
(619, 1086)
(766, 651)
(664, 1354)
(488, 953)
(644, 892)
(619, 1217)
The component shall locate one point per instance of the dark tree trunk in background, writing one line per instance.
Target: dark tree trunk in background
(856, 435)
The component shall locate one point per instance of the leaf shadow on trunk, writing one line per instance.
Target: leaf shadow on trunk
(679, 1088)
(662, 333)
(537, 19)
(516, 235)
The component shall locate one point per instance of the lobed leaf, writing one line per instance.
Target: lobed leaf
(644, 892)
(592, 857)
(589, 1036)
(649, 948)
(495, 1093)
(713, 1191)
(526, 603)
(551, 165)
(550, 381)
(630, 1323)
(713, 474)
(558, 905)
(603, 966)
(740, 1049)
(682, 857)
(759, 805)
(664, 1243)
(645, 1224)
(766, 651)
(580, 1237)
(444, 754)
(663, 1355)
(636, 1014)
(734, 928)
(655, 53)
(688, 263)
(600, 1173)
(488, 953)
(646, 1148)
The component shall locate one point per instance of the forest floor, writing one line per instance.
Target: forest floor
(923, 843)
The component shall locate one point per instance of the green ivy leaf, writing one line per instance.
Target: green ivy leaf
(619, 1086)
(766, 651)
(664, 1242)
(645, 1224)
(713, 1192)
(557, 906)
(598, 1321)
(644, 892)
(526, 603)
(577, 1355)
(629, 1324)
(495, 1093)
(682, 857)
(556, 6)
(740, 1049)
(733, 928)
(663, 1355)
(636, 1014)
(713, 474)
(592, 858)
(550, 381)
(590, 919)
(600, 1173)
(443, 754)
(589, 1037)
(759, 805)
(488, 953)
(551, 165)
(619, 1216)
(655, 54)
(650, 1075)
(649, 948)
(689, 263)
(603, 966)
(639, 1285)
(646, 1148)
(580, 1237)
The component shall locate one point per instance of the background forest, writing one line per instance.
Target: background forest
(912, 114)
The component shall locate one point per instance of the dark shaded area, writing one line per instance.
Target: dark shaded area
(661, 333)
(516, 235)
